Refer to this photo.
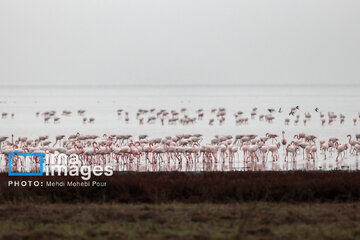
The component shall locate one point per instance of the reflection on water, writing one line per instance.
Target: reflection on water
(196, 162)
(101, 104)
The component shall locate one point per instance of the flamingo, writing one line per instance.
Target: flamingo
(291, 149)
(272, 136)
(264, 149)
(352, 143)
(340, 149)
(252, 149)
(274, 151)
(314, 151)
(58, 139)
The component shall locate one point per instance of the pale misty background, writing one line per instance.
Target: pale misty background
(162, 42)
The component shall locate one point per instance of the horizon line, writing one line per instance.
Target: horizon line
(174, 85)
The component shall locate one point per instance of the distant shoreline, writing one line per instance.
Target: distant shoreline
(190, 86)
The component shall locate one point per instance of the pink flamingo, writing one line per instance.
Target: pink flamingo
(274, 151)
(340, 149)
(352, 143)
(291, 149)
(58, 139)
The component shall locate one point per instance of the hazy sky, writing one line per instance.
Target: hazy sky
(179, 42)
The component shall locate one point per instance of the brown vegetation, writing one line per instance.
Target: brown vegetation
(215, 187)
(255, 220)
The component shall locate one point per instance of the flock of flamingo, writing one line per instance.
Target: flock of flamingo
(184, 117)
(187, 152)
(190, 152)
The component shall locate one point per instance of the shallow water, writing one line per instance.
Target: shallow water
(102, 103)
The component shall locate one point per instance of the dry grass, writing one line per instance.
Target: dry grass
(235, 205)
(216, 187)
(254, 220)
